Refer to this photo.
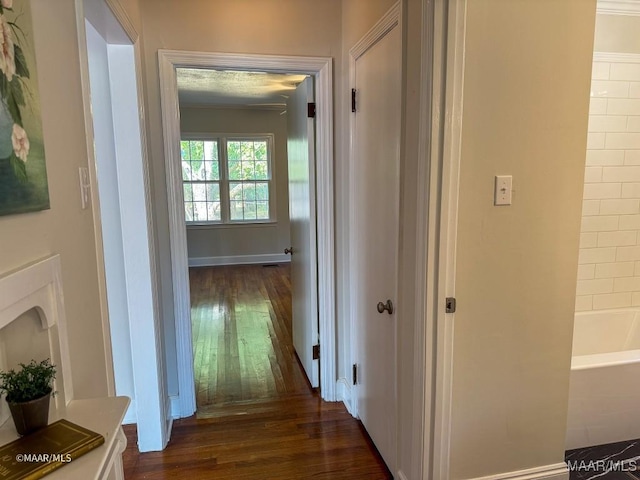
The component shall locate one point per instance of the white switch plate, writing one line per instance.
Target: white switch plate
(502, 191)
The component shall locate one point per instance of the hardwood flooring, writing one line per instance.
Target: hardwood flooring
(257, 416)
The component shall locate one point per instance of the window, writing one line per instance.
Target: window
(227, 179)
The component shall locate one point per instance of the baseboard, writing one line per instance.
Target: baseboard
(345, 395)
(174, 401)
(239, 260)
(556, 471)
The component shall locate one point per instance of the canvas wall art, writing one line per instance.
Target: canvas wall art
(23, 174)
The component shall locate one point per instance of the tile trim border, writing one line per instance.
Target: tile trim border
(556, 471)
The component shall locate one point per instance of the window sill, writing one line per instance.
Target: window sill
(207, 226)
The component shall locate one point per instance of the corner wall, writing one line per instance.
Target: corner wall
(526, 99)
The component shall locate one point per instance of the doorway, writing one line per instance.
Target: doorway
(320, 70)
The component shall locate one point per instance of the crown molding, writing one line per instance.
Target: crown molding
(619, 7)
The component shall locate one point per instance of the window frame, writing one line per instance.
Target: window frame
(224, 180)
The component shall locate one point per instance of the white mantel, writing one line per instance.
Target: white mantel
(38, 286)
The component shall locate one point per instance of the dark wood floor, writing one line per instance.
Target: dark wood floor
(257, 416)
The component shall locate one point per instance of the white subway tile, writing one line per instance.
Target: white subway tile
(609, 89)
(621, 174)
(584, 303)
(619, 207)
(592, 174)
(592, 287)
(629, 222)
(633, 123)
(622, 141)
(604, 157)
(614, 270)
(635, 300)
(586, 272)
(628, 284)
(637, 269)
(631, 190)
(634, 90)
(600, 71)
(601, 224)
(632, 157)
(626, 254)
(625, 71)
(623, 106)
(595, 141)
(612, 300)
(590, 208)
(597, 255)
(595, 191)
(588, 240)
(607, 123)
(617, 239)
(598, 106)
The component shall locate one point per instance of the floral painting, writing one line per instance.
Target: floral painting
(23, 175)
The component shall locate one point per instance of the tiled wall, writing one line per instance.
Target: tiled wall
(609, 263)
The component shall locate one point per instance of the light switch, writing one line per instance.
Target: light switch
(502, 192)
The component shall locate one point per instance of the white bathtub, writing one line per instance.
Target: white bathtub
(604, 392)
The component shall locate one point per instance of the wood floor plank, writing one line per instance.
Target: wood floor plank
(257, 416)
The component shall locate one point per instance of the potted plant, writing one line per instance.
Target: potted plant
(29, 391)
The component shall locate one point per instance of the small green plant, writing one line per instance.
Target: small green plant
(32, 381)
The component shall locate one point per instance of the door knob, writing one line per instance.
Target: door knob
(385, 306)
(288, 251)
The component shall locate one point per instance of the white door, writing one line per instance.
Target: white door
(374, 228)
(302, 214)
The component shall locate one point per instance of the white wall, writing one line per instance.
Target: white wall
(206, 244)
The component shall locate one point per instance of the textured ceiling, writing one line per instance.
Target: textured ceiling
(198, 86)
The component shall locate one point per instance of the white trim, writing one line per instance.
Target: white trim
(618, 7)
(345, 394)
(556, 471)
(239, 260)
(616, 57)
(377, 32)
(174, 401)
(445, 256)
(401, 475)
(321, 68)
(123, 19)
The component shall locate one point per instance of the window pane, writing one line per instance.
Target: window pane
(184, 150)
(200, 211)
(247, 170)
(249, 210)
(260, 150)
(249, 191)
(188, 212)
(235, 191)
(188, 192)
(211, 171)
(213, 192)
(262, 191)
(186, 170)
(247, 150)
(235, 170)
(233, 151)
(197, 150)
(199, 192)
(262, 210)
(261, 171)
(213, 211)
(211, 150)
(236, 212)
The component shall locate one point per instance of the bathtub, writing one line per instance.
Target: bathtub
(604, 391)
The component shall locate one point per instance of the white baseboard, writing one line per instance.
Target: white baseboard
(556, 471)
(345, 394)
(174, 401)
(239, 260)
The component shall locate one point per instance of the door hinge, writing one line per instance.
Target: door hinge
(353, 100)
(450, 305)
(316, 352)
(311, 110)
(355, 374)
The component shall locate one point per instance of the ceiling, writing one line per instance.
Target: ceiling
(205, 87)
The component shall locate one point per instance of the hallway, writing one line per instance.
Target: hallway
(257, 416)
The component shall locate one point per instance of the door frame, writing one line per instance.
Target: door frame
(321, 69)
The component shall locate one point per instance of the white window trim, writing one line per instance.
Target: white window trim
(224, 180)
